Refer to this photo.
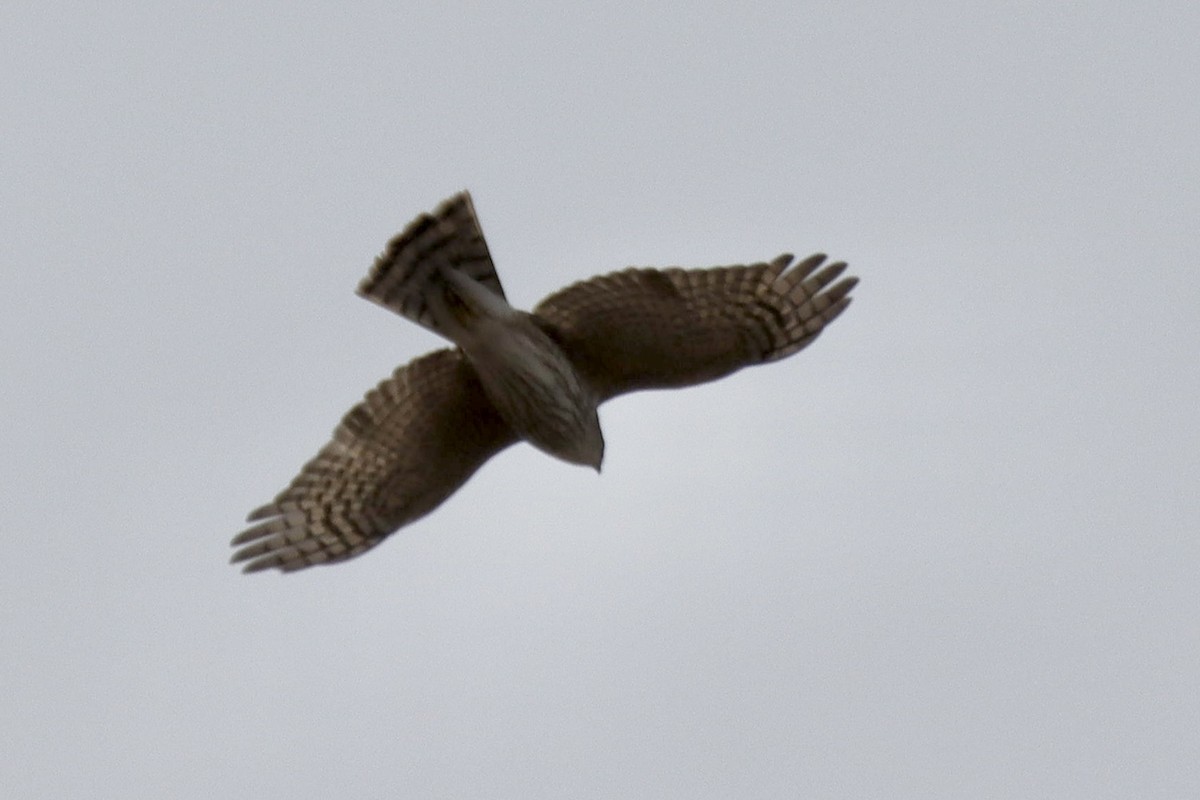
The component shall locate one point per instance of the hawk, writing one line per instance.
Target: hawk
(516, 376)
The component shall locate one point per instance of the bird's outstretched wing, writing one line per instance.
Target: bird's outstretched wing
(649, 328)
(396, 456)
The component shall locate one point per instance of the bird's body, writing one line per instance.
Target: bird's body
(534, 386)
(449, 285)
(537, 377)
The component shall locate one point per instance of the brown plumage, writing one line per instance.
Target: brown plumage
(419, 435)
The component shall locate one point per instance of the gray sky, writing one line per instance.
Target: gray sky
(949, 551)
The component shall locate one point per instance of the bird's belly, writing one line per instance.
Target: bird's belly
(535, 388)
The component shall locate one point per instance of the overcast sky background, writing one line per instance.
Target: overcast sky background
(952, 550)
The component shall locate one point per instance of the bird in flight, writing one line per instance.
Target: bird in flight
(520, 376)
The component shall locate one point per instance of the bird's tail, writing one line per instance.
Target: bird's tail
(417, 262)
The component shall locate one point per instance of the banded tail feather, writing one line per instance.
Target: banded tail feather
(447, 241)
